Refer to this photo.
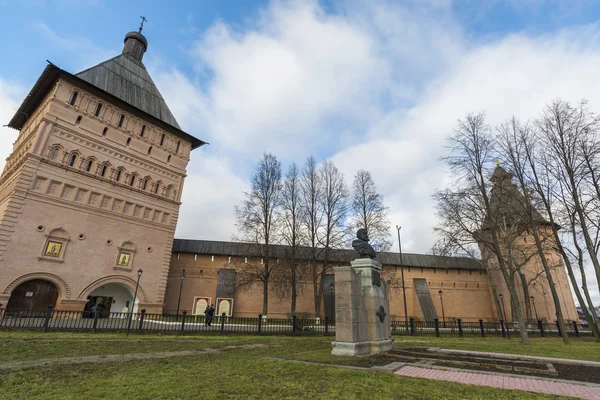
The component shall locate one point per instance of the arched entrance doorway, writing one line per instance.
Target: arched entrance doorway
(36, 294)
(111, 298)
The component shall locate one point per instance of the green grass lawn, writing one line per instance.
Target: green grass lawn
(578, 348)
(242, 373)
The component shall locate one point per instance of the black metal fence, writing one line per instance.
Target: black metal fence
(484, 329)
(87, 321)
(142, 322)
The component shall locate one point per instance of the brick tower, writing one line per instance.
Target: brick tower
(91, 191)
(520, 252)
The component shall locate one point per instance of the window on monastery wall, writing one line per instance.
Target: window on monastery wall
(143, 130)
(104, 131)
(177, 148)
(128, 141)
(78, 120)
(118, 175)
(145, 183)
(72, 160)
(54, 246)
(132, 179)
(73, 98)
(168, 191)
(102, 170)
(98, 109)
(53, 153)
(157, 186)
(162, 139)
(121, 120)
(89, 165)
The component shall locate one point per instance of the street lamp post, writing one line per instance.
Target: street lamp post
(331, 299)
(534, 309)
(402, 273)
(182, 276)
(504, 314)
(442, 301)
(137, 285)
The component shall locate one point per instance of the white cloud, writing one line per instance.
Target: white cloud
(10, 94)
(393, 79)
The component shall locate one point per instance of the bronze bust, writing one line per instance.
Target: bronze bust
(361, 244)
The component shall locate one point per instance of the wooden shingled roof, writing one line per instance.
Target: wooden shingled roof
(127, 79)
(238, 249)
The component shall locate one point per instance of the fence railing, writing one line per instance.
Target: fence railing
(61, 320)
(141, 322)
(484, 328)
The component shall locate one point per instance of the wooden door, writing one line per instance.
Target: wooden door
(36, 294)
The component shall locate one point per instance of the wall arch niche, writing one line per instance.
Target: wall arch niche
(125, 255)
(55, 246)
(33, 294)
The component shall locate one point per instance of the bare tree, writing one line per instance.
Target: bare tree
(256, 222)
(514, 141)
(369, 211)
(333, 233)
(468, 210)
(565, 170)
(290, 223)
(311, 185)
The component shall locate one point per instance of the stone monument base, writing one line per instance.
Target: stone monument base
(362, 348)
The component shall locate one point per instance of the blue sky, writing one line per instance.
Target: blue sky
(173, 28)
(371, 84)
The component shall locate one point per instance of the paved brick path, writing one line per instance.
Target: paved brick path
(503, 382)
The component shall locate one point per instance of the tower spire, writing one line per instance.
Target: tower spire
(136, 44)
(142, 24)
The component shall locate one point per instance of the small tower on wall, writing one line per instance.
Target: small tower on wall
(510, 219)
(90, 195)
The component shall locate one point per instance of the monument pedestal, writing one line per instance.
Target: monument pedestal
(362, 323)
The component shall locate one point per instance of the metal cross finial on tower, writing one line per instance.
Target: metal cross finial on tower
(142, 24)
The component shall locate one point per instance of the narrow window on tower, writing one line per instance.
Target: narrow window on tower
(143, 130)
(177, 148)
(72, 160)
(103, 170)
(118, 176)
(73, 98)
(104, 131)
(162, 139)
(89, 166)
(144, 184)
(121, 120)
(132, 180)
(98, 109)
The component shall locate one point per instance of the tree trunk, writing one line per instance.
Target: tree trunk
(266, 295)
(526, 297)
(294, 286)
(557, 306)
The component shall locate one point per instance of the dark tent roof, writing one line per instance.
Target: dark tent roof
(210, 247)
(507, 203)
(127, 79)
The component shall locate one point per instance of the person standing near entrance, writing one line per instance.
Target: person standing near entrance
(125, 310)
(207, 315)
(211, 313)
